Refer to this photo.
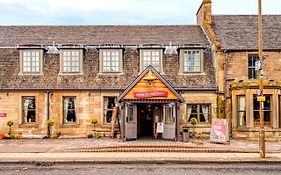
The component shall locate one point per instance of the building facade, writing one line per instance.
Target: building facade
(235, 48)
(71, 74)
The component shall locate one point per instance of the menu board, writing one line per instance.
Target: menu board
(219, 131)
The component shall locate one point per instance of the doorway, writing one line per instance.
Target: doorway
(148, 116)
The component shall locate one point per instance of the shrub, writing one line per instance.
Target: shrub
(10, 123)
(55, 135)
(98, 135)
(94, 121)
(50, 122)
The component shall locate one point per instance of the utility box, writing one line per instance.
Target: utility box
(185, 134)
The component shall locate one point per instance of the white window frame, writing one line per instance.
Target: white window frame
(142, 54)
(62, 62)
(110, 53)
(182, 60)
(198, 113)
(28, 59)
(23, 120)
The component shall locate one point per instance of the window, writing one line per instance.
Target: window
(199, 111)
(109, 104)
(130, 113)
(151, 57)
(111, 60)
(252, 73)
(71, 61)
(69, 109)
(29, 109)
(191, 61)
(241, 103)
(279, 111)
(169, 114)
(31, 61)
(267, 110)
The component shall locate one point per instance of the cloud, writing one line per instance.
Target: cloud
(120, 11)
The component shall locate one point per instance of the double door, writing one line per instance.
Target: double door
(168, 121)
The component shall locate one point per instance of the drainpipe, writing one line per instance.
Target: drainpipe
(48, 113)
(224, 82)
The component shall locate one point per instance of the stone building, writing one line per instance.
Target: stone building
(71, 74)
(235, 47)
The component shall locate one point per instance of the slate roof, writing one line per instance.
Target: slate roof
(96, 35)
(240, 32)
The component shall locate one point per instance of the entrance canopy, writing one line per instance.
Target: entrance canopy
(150, 87)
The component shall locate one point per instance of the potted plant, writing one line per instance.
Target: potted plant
(50, 123)
(94, 121)
(193, 122)
(10, 123)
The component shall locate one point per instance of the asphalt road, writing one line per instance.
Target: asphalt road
(140, 169)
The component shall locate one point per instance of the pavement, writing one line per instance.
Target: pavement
(108, 150)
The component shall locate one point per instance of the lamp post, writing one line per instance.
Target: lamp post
(261, 101)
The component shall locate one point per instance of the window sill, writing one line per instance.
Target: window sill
(200, 125)
(29, 74)
(192, 73)
(28, 125)
(70, 73)
(111, 73)
(70, 125)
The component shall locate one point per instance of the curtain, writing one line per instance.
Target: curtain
(189, 108)
(242, 109)
(205, 110)
(66, 101)
(25, 108)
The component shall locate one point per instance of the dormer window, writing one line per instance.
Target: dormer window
(191, 61)
(71, 60)
(151, 57)
(111, 60)
(31, 61)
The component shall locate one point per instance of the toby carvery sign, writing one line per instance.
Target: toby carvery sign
(150, 94)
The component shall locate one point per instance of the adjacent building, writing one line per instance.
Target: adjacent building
(235, 49)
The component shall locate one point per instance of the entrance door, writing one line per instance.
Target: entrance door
(169, 111)
(131, 121)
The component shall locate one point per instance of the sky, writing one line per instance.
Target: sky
(120, 12)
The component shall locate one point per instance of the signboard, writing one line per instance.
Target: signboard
(258, 92)
(219, 131)
(259, 64)
(150, 94)
(3, 114)
(261, 98)
(160, 127)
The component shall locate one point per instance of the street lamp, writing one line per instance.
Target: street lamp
(262, 99)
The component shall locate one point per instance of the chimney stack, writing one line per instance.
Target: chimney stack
(204, 13)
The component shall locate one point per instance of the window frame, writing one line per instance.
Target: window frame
(22, 61)
(160, 59)
(257, 110)
(64, 121)
(252, 68)
(80, 56)
(239, 111)
(198, 112)
(120, 60)
(23, 111)
(105, 109)
(201, 57)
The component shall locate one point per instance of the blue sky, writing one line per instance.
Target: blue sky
(128, 12)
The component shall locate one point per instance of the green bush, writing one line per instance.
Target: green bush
(98, 135)
(94, 121)
(50, 122)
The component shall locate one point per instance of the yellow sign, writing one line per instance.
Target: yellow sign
(261, 98)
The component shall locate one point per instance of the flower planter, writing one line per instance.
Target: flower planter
(2, 136)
